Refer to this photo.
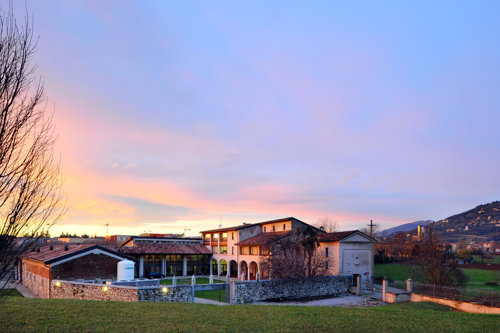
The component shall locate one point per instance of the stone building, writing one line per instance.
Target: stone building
(67, 262)
(242, 250)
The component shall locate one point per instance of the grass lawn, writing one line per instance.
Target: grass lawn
(395, 271)
(168, 282)
(57, 315)
(10, 292)
(216, 295)
(477, 277)
(495, 259)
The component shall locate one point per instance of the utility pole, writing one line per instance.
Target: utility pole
(371, 225)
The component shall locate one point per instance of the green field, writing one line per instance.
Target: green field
(57, 315)
(495, 259)
(168, 282)
(477, 277)
(215, 295)
(10, 292)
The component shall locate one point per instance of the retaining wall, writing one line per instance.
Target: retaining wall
(103, 292)
(240, 292)
(462, 306)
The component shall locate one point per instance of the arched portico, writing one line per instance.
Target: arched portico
(244, 270)
(214, 268)
(223, 267)
(233, 268)
(254, 268)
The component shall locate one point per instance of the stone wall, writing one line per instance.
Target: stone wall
(92, 291)
(180, 294)
(104, 292)
(241, 292)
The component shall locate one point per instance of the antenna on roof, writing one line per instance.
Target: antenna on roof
(107, 229)
(220, 222)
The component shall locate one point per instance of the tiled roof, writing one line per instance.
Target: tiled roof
(238, 227)
(246, 225)
(335, 236)
(165, 249)
(59, 252)
(263, 239)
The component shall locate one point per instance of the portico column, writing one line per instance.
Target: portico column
(239, 270)
(141, 266)
(248, 272)
(163, 265)
(211, 266)
(184, 265)
(218, 268)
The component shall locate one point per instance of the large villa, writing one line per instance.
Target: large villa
(236, 252)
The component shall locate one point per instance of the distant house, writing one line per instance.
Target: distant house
(38, 268)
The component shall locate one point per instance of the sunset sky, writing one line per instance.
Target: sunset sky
(176, 114)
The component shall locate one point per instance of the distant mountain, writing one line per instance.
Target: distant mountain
(404, 228)
(482, 223)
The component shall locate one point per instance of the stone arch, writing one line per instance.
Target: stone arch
(233, 268)
(223, 267)
(243, 269)
(214, 267)
(254, 268)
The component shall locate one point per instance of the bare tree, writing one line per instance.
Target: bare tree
(327, 224)
(30, 181)
(436, 264)
(294, 254)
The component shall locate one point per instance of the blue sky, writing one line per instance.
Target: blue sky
(174, 114)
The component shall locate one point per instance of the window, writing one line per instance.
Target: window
(284, 226)
(224, 236)
(232, 235)
(273, 228)
(207, 237)
(223, 249)
(244, 250)
(254, 250)
(264, 229)
(232, 250)
(215, 249)
(215, 237)
(42, 283)
(326, 252)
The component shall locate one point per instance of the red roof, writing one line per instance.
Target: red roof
(263, 239)
(335, 236)
(165, 249)
(57, 251)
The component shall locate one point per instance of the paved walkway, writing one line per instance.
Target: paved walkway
(345, 300)
(22, 289)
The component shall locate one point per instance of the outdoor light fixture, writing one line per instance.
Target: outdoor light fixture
(58, 284)
(104, 288)
(164, 289)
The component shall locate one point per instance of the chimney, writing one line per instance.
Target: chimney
(51, 247)
(66, 247)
